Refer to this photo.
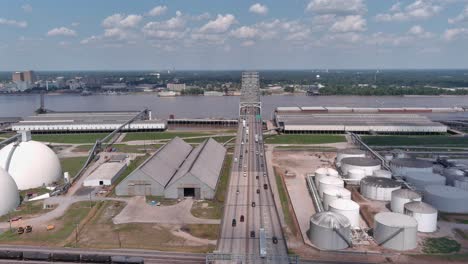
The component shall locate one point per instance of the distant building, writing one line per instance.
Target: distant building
(60, 82)
(24, 80)
(213, 93)
(177, 87)
(114, 86)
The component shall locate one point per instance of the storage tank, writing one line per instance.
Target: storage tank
(419, 181)
(333, 193)
(9, 195)
(388, 156)
(383, 174)
(355, 175)
(451, 174)
(324, 172)
(401, 197)
(347, 153)
(399, 154)
(425, 215)
(377, 188)
(368, 165)
(461, 182)
(327, 182)
(403, 167)
(446, 199)
(348, 208)
(395, 231)
(330, 231)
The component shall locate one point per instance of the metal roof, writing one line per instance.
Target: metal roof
(330, 220)
(420, 207)
(360, 161)
(411, 163)
(380, 182)
(446, 191)
(395, 220)
(406, 193)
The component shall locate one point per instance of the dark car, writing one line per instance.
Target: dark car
(242, 218)
(265, 186)
(258, 190)
(233, 222)
(252, 234)
(275, 240)
(253, 204)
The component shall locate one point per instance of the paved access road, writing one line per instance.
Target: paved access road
(250, 197)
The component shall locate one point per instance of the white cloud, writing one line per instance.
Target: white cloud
(248, 43)
(121, 21)
(91, 39)
(396, 7)
(27, 8)
(258, 9)
(245, 32)
(157, 11)
(201, 17)
(10, 22)
(462, 17)
(173, 28)
(419, 31)
(418, 10)
(353, 23)
(220, 24)
(62, 31)
(338, 7)
(454, 33)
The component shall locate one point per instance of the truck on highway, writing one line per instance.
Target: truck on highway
(256, 138)
(243, 122)
(262, 240)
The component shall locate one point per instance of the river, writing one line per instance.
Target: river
(208, 107)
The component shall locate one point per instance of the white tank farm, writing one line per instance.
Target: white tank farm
(324, 172)
(32, 164)
(330, 231)
(401, 197)
(368, 165)
(461, 182)
(403, 167)
(355, 175)
(327, 182)
(333, 193)
(395, 231)
(348, 208)
(348, 153)
(424, 213)
(9, 195)
(446, 199)
(451, 174)
(383, 174)
(380, 189)
(420, 180)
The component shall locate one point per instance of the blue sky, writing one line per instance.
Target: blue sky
(222, 34)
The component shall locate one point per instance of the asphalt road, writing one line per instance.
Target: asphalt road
(249, 184)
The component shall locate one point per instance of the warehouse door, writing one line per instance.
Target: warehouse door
(189, 192)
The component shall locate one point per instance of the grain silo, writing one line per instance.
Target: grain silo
(451, 174)
(424, 213)
(330, 231)
(395, 231)
(348, 153)
(333, 193)
(406, 166)
(377, 188)
(368, 165)
(461, 182)
(446, 199)
(420, 180)
(383, 174)
(401, 197)
(327, 182)
(348, 208)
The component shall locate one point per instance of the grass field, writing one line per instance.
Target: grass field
(69, 138)
(288, 217)
(213, 209)
(163, 135)
(442, 141)
(440, 245)
(72, 165)
(304, 139)
(25, 210)
(202, 231)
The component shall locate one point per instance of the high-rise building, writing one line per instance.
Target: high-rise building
(178, 87)
(24, 80)
(17, 77)
(29, 76)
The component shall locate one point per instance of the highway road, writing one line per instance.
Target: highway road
(250, 201)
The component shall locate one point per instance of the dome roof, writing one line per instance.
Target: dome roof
(9, 195)
(32, 164)
(330, 220)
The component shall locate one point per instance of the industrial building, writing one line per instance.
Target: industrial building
(9, 195)
(84, 121)
(105, 174)
(178, 170)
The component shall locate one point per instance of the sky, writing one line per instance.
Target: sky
(227, 34)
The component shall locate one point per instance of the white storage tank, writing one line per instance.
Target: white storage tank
(424, 213)
(461, 182)
(395, 231)
(368, 165)
(324, 172)
(347, 153)
(406, 166)
(388, 156)
(451, 174)
(401, 197)
(383, 174)
(377, 188)
(446, 199)
(333, 193)
(348, 208)
(420, 181)
(330, 231)
(327, 182)
(355, 175)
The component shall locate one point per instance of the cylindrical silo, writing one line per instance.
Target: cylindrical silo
(403, 167)
(321, 172)
(388, 157)
(347, 153)
(355, 175)
(377, 188)
(327, 182)
(419, 181)
(383, 174)
(446, 199)
(333, 193)
(330, 231)
(324, 172)
(461, 182)
(348, 208)
(395, 231)
(368, 165)
(401, 197)
(451, 174)
(424, 213)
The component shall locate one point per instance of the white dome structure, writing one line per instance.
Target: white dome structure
(9, 195)
(31, 164)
